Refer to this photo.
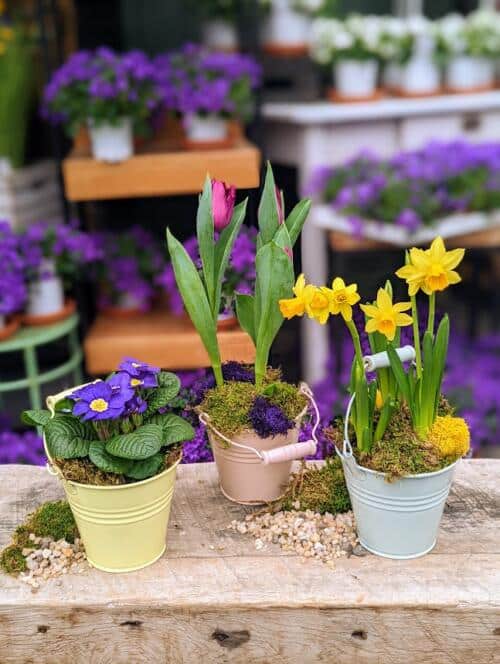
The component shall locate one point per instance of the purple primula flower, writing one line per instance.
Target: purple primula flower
(122, 381)
(268, 419)
(136, 406)
(98, 401)
(141, 374)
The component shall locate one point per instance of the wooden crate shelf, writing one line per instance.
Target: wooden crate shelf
(159, 168)
(159, 338)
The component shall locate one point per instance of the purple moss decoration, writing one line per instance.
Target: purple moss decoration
(268, 419)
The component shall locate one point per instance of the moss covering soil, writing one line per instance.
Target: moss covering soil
(229, 405)
(52, 519)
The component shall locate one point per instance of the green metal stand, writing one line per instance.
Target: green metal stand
(27, 340)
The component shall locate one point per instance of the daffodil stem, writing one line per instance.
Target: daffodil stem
(355, 339)
(416, 335)
(432, 312)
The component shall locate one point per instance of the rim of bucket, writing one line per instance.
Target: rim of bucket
(111, 487)
(405, 477)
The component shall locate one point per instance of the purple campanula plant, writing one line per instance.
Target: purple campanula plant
(13, 291)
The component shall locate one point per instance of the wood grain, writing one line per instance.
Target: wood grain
(214, 597)
(159, 338)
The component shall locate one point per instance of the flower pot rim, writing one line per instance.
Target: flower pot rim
(413, 476)
(54, 469)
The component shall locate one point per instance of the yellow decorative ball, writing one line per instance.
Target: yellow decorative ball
(450, 435)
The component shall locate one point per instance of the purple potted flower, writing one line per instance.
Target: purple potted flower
(114, 94)
(116, 445)
(127, 271)
(12, 281)
(53, 255)
(206, 90)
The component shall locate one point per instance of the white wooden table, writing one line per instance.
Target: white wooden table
(214, 598)
(312, 134)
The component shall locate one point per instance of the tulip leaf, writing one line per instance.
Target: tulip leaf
(296, 219)
(245, 311)
(224, 247)
(205, 234)
(268, 215)
(195, 298)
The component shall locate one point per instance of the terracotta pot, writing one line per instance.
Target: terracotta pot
(8, 326)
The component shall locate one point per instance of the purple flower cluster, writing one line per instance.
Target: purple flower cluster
(118, 396)
(102, 85)
(413, 188)
(193, 80)
(130, 265)
(238, 278)
(67, 246)
(12, 281)
(268, 419)
(21, 448)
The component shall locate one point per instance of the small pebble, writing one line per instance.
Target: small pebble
(52, 559)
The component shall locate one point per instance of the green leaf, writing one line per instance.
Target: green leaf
(400, 375)
(439, 360)
(140, 444)
(195, 298)
(246, 314)
(39, 418)
(296, 219)
(160, 397)
(140, 470)
(223, 249)
(268, 208)
(170, 380)
(107, 462)
(205, 235)
(66, 437)
(175, 429)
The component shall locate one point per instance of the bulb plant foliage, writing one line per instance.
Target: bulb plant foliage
(201, 290)
(118, 424)
(416, 387)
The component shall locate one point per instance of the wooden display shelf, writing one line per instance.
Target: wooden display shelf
(159, 168)
(159, 338)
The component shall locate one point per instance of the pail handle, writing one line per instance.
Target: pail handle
(283, 453)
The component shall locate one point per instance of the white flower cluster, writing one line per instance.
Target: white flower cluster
(357, 37)
(478, 34)
(310, 7)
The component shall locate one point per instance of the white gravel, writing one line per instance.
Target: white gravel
(49, 558)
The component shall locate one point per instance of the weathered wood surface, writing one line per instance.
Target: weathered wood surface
(214, 598)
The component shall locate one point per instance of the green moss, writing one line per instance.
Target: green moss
(53, 519)
(21, 537)
(229, 405)
(321, 489)
(12, 560)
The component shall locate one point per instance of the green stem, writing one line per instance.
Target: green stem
(416, 336)
(357, 345)
(217, 369)
(432, 312)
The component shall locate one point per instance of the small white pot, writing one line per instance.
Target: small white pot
(420, 75)
(392, 75)
(45, 295)
(285, 26)
(112, 143)
(220, 35)
(203, 128)
(355, 78)
(465, 72)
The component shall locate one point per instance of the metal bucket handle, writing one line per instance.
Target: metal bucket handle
(283, 453)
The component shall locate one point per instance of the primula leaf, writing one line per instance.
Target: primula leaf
(268, 208)
(162, 396)
(205, 234)
(65, 436)
(296, 219)
(175, 429)
(39, 418)
(140, 470)
(140, 444)
(194, 297)
(107, 462)
(170, 380)
(246, 314)
(224, 247)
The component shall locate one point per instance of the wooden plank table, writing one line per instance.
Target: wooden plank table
(214, 598)
(159, 338)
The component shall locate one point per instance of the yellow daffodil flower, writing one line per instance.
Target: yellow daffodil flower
(295, 306)
(379, 400)
(317, 303)
(342, 298)
(385, 317)
(432, 269)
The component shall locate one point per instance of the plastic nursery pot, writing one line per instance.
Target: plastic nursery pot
(286, 31)
(254, 470)
(356, 79)
(467, 73)
(112, 143)
(8, 326)
(124, 527)
(397, 519)
(220, 35)
(420, 76)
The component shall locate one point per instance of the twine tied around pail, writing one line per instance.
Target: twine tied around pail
(290, 452)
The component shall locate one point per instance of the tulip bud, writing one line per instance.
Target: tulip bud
(223, 200)
(288, 251)
(279, 206)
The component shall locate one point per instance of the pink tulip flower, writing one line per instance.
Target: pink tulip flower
(223, 200)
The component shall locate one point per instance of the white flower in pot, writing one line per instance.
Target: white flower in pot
(420, 72)
(288, 24)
